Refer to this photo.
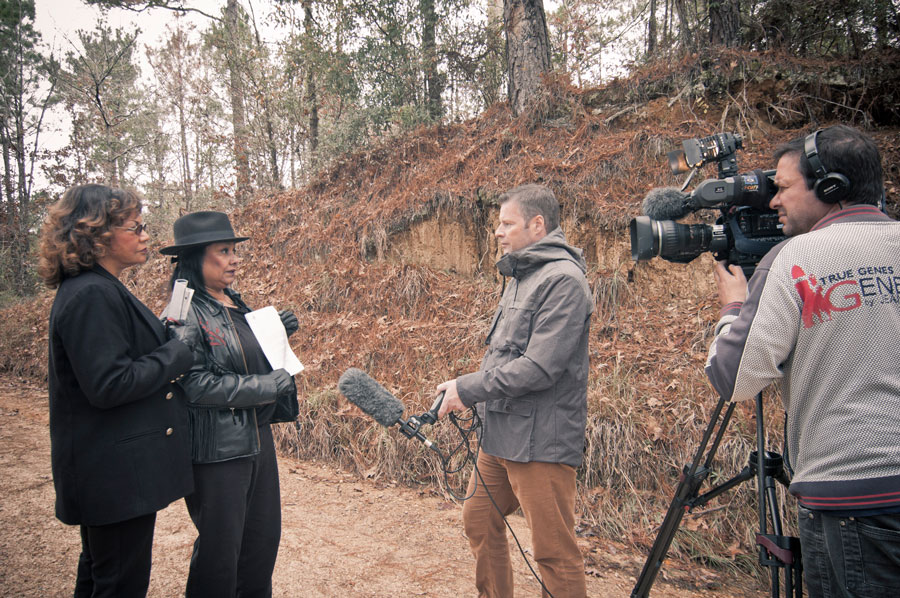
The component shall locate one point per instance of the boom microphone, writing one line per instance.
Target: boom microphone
(668, 203)
(371, 397)
(385, 408)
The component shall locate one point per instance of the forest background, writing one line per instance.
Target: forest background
(363, 151)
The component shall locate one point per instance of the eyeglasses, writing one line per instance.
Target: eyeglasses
(136, 229)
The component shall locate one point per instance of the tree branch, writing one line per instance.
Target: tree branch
(142, 5)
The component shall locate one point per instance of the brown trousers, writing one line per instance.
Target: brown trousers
(546, 493)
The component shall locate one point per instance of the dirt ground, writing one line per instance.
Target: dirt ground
(342, 536)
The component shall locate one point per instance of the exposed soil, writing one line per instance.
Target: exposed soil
(341, 536)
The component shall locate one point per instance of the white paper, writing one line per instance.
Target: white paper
(180, 304)
(272, 337)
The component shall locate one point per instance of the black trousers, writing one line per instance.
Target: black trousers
(236, 508)
(115, 559)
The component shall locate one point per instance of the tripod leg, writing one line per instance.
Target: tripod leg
(776, 550)
(686, 493)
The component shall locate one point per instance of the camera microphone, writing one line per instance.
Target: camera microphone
(668, 203)
(376, 401)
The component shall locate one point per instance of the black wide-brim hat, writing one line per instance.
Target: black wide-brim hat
(201, 228)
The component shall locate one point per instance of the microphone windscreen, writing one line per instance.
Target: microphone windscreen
(666, 203)
(370, 396)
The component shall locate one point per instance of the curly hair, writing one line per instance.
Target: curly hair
(76, 232)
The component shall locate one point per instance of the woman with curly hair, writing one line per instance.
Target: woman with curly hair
(119, 437)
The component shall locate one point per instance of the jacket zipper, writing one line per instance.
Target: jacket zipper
(246, 371)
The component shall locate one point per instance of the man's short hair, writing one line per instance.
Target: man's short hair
(535, 200)
(847, 151)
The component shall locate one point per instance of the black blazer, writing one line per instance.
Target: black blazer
(119, 439)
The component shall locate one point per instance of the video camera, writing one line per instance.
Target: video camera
(744, 231)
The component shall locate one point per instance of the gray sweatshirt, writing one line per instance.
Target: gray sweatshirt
(531, 389)
(823, 314)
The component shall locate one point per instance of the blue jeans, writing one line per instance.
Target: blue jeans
(850, 557)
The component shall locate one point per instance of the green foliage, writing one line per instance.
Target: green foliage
(346, 73)
(835, 28)
(27, 84)
(18, 39)
(369, 61)
(106, 103)
(589, 35)
(592, 38)
(474, 50)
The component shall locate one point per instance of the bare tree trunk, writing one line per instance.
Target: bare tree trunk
(433, 84)
(112, 159)
(684, 28)
(8, 217)
(236, 90)
(651, 30)
(21, 246)
(312, 100)
(667, 25)
(292, 132)
(198, 165)
(493, 87)
(885, 15)
(8, 214)
(185, 158)
(274, 173)
(776, 23)
(724, 23)
(852, 33)
(262, 87)
(527, 50)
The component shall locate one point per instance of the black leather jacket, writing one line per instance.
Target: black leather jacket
(222, 398)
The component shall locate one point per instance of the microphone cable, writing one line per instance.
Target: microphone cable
(466, 426)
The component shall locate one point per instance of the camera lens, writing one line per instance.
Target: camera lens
(644, 242)
(673, 241)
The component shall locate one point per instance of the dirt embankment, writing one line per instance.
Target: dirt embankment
(342, 537)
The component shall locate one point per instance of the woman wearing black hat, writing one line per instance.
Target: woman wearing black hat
(119, 440)
(233, 395)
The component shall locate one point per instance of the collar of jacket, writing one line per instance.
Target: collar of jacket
(552, 247)
(853, 213)
(97, 268)
(216, 305)
(148, 315)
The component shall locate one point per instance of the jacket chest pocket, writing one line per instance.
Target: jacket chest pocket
(512, 327)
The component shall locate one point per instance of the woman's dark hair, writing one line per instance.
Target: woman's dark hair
(190, 267)
(76, 232)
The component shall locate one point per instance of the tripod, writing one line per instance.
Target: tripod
(776, 551)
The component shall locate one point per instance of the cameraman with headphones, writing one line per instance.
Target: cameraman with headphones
(822, 311)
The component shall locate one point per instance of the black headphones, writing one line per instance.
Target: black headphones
(830, 187)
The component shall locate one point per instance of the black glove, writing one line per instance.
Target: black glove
(289, 320)
(284, 382)
(189, 334)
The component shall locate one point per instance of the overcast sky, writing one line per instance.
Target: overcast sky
(58, 22)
